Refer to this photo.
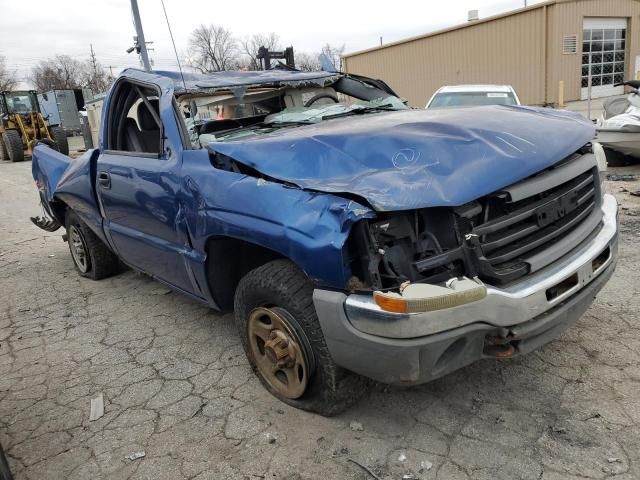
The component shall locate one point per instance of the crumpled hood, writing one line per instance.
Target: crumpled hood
(416, 158)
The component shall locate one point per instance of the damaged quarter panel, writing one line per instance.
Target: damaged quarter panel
(310, 228)
(61, 179)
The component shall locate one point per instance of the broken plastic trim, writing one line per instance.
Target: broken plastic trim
(422, 297)
(46, 223)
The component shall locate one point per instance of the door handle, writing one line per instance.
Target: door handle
(104, 179)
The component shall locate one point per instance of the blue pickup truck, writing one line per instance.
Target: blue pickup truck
(354, 238)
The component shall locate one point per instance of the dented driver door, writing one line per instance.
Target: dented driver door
(139, 198)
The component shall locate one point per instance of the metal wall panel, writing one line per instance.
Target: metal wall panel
(501, 51)
(523, 49)
(569, 18)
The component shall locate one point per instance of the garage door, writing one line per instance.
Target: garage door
(603, 52)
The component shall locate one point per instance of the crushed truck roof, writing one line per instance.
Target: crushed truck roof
(234, 79)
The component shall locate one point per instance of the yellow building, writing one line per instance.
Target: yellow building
(544, 51)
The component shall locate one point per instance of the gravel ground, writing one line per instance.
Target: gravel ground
(176, 385)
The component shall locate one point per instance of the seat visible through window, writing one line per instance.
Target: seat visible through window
(146, 137)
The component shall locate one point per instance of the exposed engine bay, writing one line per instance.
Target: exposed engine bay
(498, 238)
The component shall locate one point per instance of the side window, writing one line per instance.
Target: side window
(134, 120)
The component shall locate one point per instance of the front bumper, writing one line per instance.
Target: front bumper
(415, 348)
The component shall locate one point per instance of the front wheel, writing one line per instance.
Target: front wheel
(13, 143)
(60, 137)
(91, 257)
(284, 344)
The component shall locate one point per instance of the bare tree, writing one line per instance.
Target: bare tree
(251, 45)
(95, 77)
(212, 49)
(334, 54)
(60, 72)
(307, 62)
(8, 79)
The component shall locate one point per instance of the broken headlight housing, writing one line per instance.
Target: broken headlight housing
(400, 247)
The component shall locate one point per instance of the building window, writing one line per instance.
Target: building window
(569, 44)
(603, 52)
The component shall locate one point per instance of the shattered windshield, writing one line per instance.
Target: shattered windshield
(227, 115)
(314, 114)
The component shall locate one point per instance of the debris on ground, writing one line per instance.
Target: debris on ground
(408, 476)
(135, 455)
(615, 177)
(402, 457)
(366, 469)
(161, 291)
(425, 466)
(356, 426)
(97, 408)
(340, 451)
(613, 459)
(593, 414)
(270, 438)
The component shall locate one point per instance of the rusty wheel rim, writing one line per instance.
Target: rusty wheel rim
(278, 352)
(78, 249)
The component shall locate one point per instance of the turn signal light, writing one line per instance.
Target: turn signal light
(418, 298)
(391, 304)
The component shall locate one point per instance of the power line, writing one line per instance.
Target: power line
(174, 44)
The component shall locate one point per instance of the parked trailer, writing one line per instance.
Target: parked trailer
(94, 114)
(62, 108)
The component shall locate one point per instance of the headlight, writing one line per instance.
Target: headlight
(422, 297)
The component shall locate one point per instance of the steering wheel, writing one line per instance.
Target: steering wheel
(315, 98)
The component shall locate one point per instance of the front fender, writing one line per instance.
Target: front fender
(307, 227)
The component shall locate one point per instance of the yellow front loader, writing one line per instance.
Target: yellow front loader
(22, 125)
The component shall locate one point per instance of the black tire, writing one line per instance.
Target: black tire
(282, 286)
(617, 159)
(5, 471)
(96, 261)
(60, 137)
(3, 150)
(13, 144)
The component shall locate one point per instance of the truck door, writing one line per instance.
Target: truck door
(138, 184)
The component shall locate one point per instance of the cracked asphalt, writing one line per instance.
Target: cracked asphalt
(176, 385)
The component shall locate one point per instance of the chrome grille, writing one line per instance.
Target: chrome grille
(511, 232)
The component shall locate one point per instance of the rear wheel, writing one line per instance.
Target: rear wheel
(60, 137)
(90, 255)
(13, 144)
(284, 343)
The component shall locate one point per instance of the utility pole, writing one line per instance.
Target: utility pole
(141, 45)
(94, 62)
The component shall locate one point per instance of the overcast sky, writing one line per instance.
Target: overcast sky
(32, 32)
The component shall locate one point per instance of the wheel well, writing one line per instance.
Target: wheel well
(59, 209)
(230, 259)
